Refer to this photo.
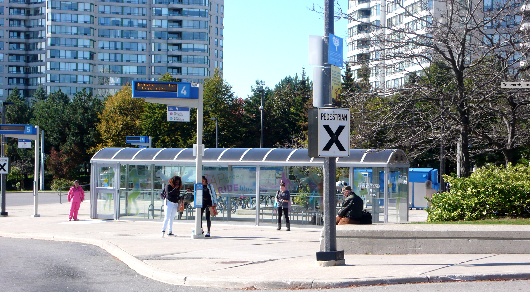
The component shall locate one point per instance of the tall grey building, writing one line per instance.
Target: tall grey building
(377, 30)
(103, 45)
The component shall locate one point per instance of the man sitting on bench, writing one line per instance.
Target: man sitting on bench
(352, 208)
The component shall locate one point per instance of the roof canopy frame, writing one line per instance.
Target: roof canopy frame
(293, 157)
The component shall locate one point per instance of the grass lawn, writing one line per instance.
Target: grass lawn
(501, 221)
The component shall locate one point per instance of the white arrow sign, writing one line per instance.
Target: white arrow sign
(515, 85)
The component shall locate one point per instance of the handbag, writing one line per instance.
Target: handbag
(213, 211)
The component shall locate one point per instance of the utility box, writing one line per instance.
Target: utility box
(422, 182)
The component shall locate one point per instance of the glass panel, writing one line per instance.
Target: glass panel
(397, 195)
(105, 205)
(106, 177)
(366, 185)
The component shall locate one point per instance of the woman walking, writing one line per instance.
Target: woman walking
(172, 198)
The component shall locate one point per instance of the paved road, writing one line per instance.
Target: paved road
(24, 198)
(37, 265)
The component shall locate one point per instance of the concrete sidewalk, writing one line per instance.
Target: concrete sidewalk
(240, 255)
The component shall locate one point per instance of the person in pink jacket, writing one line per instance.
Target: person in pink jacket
(76, 195)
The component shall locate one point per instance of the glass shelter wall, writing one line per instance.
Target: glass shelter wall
(129, 181)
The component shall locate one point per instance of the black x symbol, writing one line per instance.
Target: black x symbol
(334, 138)
(3, 167)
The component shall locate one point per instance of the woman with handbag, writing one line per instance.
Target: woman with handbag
(283, 197)
(209, 201)
(171, 202)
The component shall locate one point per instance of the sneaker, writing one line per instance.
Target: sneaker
(170, 234)
(163, 233)
(207, 235)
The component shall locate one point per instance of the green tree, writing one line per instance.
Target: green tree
(51, 116)
(83, 114)
(252, 115)
(220, 102)
(119, 118)
(20, 113)
(40, 93)
(287, 109)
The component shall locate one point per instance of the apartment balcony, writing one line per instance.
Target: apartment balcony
(362, 4)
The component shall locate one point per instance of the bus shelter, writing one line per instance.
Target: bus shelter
(128, 181)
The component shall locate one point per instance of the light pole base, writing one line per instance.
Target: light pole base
(197, 236)
(36, 215)
(330, 258)
(3, 214)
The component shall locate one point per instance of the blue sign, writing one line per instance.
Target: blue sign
(137, 139)
(178, 114)
(18, 129)
(159, 89)
(335, 51)
(198, 195)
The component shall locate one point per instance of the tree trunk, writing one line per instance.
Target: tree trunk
(508, 156)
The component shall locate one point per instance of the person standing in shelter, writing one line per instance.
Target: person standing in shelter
(171, 202)
(352, 208)
(283, 197)
(209, 199)
(76, 195)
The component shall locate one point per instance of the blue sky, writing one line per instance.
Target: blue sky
(268, 40)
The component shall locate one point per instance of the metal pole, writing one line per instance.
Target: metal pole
(36, 177)
(216, 133)
(261, 110)
(198, 163)
(442, 150)
(42, 161)
(3, 153)
(329, 255)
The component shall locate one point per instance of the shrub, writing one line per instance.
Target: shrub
(61, 184)
(490, 192)
(303, 197)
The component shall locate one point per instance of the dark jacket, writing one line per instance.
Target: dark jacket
(352, 207)
(283, 198)
(173, 194)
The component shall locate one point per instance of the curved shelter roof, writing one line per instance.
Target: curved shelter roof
(248, 157)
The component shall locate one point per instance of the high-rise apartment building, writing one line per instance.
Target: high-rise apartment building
(377, 33)
(367, 23)
(103, 45)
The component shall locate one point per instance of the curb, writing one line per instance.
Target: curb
(177, 279)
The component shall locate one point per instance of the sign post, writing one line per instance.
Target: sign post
(23, 132)
(180, 94)
(331, 53)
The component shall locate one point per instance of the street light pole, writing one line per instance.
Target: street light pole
(442, 150)
(3, 154)
(261, 110)
(216, 132)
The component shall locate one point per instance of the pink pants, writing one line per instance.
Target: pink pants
(74, 209)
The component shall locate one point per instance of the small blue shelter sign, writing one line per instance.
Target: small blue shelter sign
(335, 51)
